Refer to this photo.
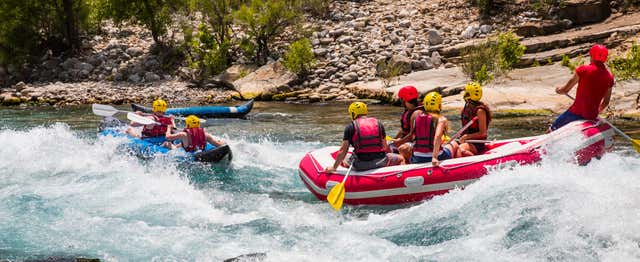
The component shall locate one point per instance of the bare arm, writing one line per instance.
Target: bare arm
(169, 136)
(344, 148)
(570, 84)
(212, 140)
(605, 101)
(482, 124)
(409, 135)
(437, 142)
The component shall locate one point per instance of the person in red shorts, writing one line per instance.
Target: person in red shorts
(594, 89)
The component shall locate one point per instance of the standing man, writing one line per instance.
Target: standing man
(367, 136)
(594, 89)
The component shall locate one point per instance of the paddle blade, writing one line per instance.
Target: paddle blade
(636, 144)
(336, 196)
(103, 110)
(140, 119)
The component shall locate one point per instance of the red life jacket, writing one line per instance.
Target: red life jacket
(367, 136)
(425, 132)
(157, 130)
(470, 111)
(197, 138)
(405, 121)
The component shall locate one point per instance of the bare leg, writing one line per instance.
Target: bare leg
(466, 149)
(453, 146)
(132, 132)
(214, 141)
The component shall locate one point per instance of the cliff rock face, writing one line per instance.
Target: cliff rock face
(582, 12)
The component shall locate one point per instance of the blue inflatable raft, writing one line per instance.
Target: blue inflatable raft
(152, 147)
(204, 111)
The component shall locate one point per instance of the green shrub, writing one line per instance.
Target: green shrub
(572, 65)
(263, 21)
(483, 76)
(387, 72)
(627, 67)
(30, 27)
(510, 50)
(496, 56)
(542, 7)
(299, 58)
(535, 63)
(219, 16)
(154, 15)
(318, 8)
(205, 54)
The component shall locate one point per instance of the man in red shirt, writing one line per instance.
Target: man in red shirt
(594, 89)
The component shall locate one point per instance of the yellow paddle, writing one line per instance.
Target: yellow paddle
(336, 195)
(634, 142)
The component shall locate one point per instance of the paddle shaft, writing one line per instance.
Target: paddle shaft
(607, 122)
(459, 133)
(478, 141)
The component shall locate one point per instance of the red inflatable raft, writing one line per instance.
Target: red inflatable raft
(416, 182)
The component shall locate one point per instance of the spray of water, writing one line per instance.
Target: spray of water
(61, 193)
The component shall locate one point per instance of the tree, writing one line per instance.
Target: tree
(263, 20)
(155, 15)
(29, 27)
(299, 58)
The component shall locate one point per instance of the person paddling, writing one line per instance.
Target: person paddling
(595, 84)
(428, 131)
(192, 138)
(409, 96)
(478, 130)
(149, 131)
(367, 136)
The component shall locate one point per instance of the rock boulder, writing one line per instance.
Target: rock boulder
(265, 81)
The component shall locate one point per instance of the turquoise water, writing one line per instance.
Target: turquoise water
(63, 192)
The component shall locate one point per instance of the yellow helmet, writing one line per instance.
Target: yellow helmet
(472, 91)
(357, 108)
(192, 121)
(159, 105)
(432, 102)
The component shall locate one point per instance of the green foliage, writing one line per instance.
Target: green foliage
(483, 76)
(218, 15)
(542, 7)
(317, 8)
(535, 63)
(388, 72)
(496, 56)
(627, 67)
(155, 15)
(263, 21)
(30, 27)
(205, 54)
(572, 65)
(509, 50)
(299, 58)
(549, 61)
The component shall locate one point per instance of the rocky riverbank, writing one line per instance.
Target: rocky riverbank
(120, 65)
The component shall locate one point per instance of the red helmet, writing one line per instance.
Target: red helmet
(599, 53)
(408, 93)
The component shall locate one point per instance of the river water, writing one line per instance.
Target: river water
(65, 193)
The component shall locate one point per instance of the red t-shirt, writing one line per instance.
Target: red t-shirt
(594, 82)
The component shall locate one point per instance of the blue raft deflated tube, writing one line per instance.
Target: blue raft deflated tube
(204, 111)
